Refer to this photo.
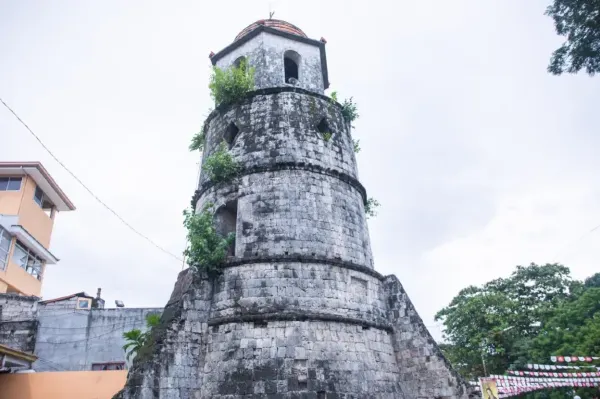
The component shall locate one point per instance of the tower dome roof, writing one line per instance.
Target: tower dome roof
(272, 23)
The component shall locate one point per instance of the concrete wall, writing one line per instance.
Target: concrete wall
(18, 323)
(62, 385)
(71, 339)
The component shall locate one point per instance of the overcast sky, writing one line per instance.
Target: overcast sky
(480, 159)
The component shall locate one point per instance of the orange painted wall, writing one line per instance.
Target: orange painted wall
(10, 200)
(62, 385)
(32, 217)
(16, 276)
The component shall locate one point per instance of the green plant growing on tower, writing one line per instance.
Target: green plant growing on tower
(231, 85)
(334, 96)
(135, 339)
(220, 165)
(198, 141)
(349, 110)
(371, 206)
(356, 145)
(327, 136)
(207, 248)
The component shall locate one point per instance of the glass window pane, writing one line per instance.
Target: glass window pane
(3, 183)
(38, 197)
(4, 239)
(14, 184)
(20, 256)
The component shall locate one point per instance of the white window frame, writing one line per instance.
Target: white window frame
(38, 263)
(4, 236)
(82, 300)
(9, 180)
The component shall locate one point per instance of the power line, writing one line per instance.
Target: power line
(575, 242)
(86, 188)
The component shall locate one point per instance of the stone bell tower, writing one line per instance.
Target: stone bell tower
(299, 310)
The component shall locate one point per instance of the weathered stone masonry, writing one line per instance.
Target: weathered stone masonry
(298, 311)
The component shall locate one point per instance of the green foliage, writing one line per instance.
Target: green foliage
(537, 312)
(207, 249)
(198, 141)
(220, 165)
(349, 110)
(327, 136)
(579, 22)
(135, 339)
(232, 84)
(371, 206)
(356, 146)
(593, 281)
(334, 96)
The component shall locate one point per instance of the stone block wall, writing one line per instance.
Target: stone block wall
(294, 212)
(280, 126)
(424, 371)
(18, 324)
(295, 287)
(303, 359)
(170, 366)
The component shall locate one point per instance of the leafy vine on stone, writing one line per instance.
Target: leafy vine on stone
(231, 85)
(220, 165)
(371, 206)
(207, 248)
(198, 141)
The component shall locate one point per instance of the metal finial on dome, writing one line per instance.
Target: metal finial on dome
(272, 23)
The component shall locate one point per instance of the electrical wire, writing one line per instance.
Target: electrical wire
(562, 251)
(86, 188)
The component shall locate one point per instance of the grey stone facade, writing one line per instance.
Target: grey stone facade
(18, 323)
(71, 339)
(66, 338)
(298, 310)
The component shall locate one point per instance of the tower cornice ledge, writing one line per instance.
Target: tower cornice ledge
(274, 167)
(298, 258)
(298, 316)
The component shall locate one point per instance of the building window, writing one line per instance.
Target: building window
(5, 240)
(27, 260)
(10, 183)
(291, 64)
(84, 303)
(108, 366)
(42, 200)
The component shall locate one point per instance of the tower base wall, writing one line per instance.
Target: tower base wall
(192, 354)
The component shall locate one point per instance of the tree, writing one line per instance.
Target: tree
(579, 22)
(496, 323)
(136, 339)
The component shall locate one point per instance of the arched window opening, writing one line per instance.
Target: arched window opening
(241, 61)
(230, 134)
(324, 129)
(291, 65)
(323, 126)
(226, 222)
